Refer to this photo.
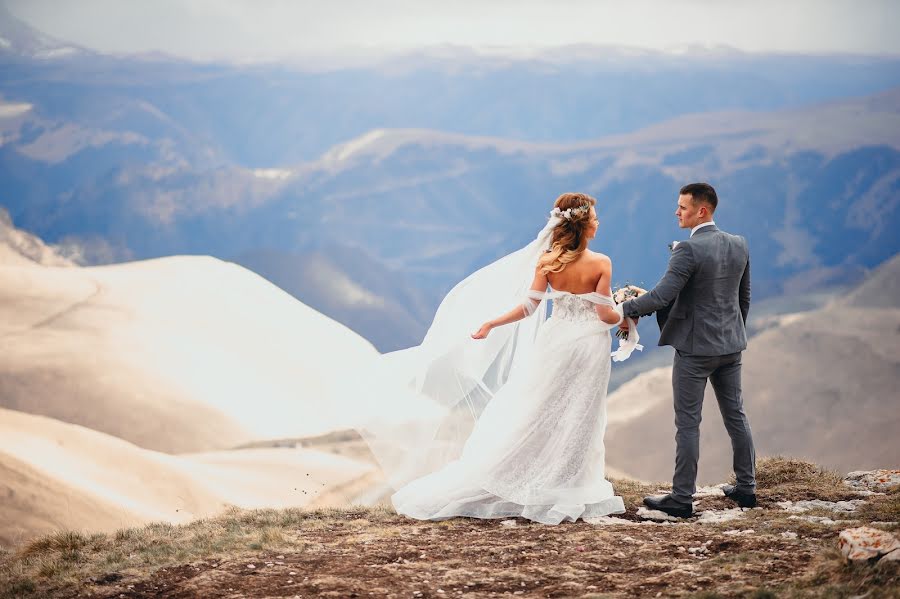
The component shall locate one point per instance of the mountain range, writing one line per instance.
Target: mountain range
(367, 192)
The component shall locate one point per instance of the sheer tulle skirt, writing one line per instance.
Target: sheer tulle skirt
(537, 449)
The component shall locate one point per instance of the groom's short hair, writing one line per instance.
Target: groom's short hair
(701, 192)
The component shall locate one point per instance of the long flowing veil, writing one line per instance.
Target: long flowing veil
(423, 401)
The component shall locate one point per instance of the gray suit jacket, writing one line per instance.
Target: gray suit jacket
(703, 300)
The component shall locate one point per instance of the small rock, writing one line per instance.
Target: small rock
(508, 523)
(789, 535)
(834, 506)
(251, 566)
(279, 557)
(735, 533)
(715, 491)
(655, 515)
(873, 480)
(866, 543)
(608, 521)
(823, 520)
(717, 516)
(704, 548)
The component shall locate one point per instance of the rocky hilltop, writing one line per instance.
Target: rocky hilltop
(814, 534)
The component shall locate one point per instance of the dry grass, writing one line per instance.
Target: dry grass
(781, 478)
(363, 550)
(633, 492)
(63, 559)
(882, 508)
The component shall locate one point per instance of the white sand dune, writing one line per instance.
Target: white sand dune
(822, 385)
(55, 475)
(185, 353)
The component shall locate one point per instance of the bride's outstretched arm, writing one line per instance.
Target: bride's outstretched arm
(527, 308)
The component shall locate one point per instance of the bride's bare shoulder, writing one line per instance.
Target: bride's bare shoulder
(598, 258)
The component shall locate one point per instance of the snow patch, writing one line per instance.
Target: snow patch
(11, 110)
(355, 146)
(272, 173)
(56, 53)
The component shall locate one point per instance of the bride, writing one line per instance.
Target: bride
(510, 420)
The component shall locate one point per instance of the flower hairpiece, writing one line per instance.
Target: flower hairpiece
(570, 213)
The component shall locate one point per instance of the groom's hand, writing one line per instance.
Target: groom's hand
(623, 326)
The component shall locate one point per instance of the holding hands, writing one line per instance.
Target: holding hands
(622, 295)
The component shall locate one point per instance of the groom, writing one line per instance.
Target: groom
(701, 305)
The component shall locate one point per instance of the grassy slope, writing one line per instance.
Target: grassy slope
(363, 551)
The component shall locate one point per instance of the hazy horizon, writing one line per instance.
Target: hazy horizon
(244, 31)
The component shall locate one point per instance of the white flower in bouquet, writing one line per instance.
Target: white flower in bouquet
(622, 295)
(628, 292)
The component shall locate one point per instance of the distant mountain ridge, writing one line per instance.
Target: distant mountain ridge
(435, 206)
(115, 158)
(19, 39)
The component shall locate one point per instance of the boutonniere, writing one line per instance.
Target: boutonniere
(673, 245)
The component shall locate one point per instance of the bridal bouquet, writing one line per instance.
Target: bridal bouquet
(622, 295)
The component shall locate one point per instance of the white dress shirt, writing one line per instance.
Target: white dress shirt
(694, 230)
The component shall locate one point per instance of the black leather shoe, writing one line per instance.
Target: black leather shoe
(742, 499)
(667, 505)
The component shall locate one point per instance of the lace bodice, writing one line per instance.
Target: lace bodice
(574, 308)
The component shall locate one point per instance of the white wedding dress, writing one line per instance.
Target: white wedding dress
(537, 450)
(508, 426)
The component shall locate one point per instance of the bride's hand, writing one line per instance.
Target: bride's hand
(483, 331)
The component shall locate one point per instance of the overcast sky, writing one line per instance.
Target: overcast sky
(247, 30)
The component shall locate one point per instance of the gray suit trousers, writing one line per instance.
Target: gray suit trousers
(689, 376)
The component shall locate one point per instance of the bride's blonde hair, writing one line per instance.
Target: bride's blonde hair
(568, 240)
